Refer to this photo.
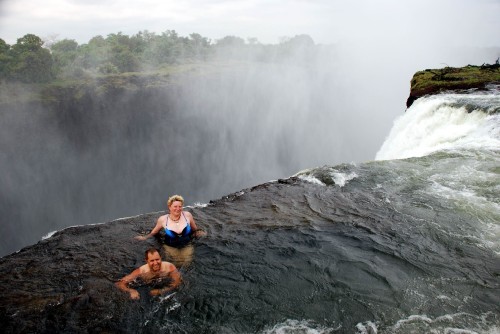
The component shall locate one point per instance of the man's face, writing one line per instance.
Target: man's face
(154, 262)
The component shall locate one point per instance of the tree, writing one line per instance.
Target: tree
(31, 62)
(230, 41)
(299, 49)
(64, 46)
(93, 54)
(169, 47)
(231, 47)
(4, 47)
(28, 43)
(198, 46)
(123, 52)
(5, 59)
(252, 40)
(64, 54)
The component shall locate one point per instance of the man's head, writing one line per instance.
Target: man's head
(153, 259)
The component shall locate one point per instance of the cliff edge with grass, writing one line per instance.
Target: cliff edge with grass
(434, 81)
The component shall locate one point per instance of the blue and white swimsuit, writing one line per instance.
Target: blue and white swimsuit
(178, 239)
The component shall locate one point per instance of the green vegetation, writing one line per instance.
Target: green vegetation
(151, 59)
(451, 78)
(30, 60)
(26, 61)
(33, 71)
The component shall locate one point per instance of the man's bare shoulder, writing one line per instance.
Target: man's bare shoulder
(167, 266)
(144, 269)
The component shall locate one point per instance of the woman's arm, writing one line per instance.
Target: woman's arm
(156, 229)
(196, 231)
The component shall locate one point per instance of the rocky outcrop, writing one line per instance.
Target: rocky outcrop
(434, 81)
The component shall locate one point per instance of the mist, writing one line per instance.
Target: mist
(205, 135)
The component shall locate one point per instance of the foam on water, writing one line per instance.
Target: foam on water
(443, 122)
(420, 323)
(457, 137)
(311, 179)
(338, 177)
(341, 179)
(291, 326)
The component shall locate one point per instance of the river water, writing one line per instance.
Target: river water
(408, 243)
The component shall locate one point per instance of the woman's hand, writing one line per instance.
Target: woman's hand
(199, 233)
(140, 237)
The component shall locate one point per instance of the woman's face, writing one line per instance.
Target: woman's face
(175, 207)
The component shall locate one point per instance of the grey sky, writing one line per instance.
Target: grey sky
(390, 22)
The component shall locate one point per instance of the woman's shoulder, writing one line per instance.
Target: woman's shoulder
(162, 218)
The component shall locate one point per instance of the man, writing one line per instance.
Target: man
(154, 268)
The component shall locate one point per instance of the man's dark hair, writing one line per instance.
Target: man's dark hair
(151, 250)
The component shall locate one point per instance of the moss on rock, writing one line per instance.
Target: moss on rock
(433, 81)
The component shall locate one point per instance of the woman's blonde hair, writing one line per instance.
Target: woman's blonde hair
(175, 198)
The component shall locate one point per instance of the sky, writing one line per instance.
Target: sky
(459, 23)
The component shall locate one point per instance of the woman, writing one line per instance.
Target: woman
(179, 227)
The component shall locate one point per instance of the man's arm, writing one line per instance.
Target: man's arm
(123, 283)
(176, 278)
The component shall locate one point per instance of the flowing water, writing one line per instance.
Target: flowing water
(408, 243)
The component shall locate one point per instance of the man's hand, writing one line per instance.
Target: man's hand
(155, 292)
(134, 294)
(140, 237)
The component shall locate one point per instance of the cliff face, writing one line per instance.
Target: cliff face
(427, 82)
(67, 146)
(430, 82)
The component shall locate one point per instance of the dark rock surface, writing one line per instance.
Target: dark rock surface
(66, 282)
